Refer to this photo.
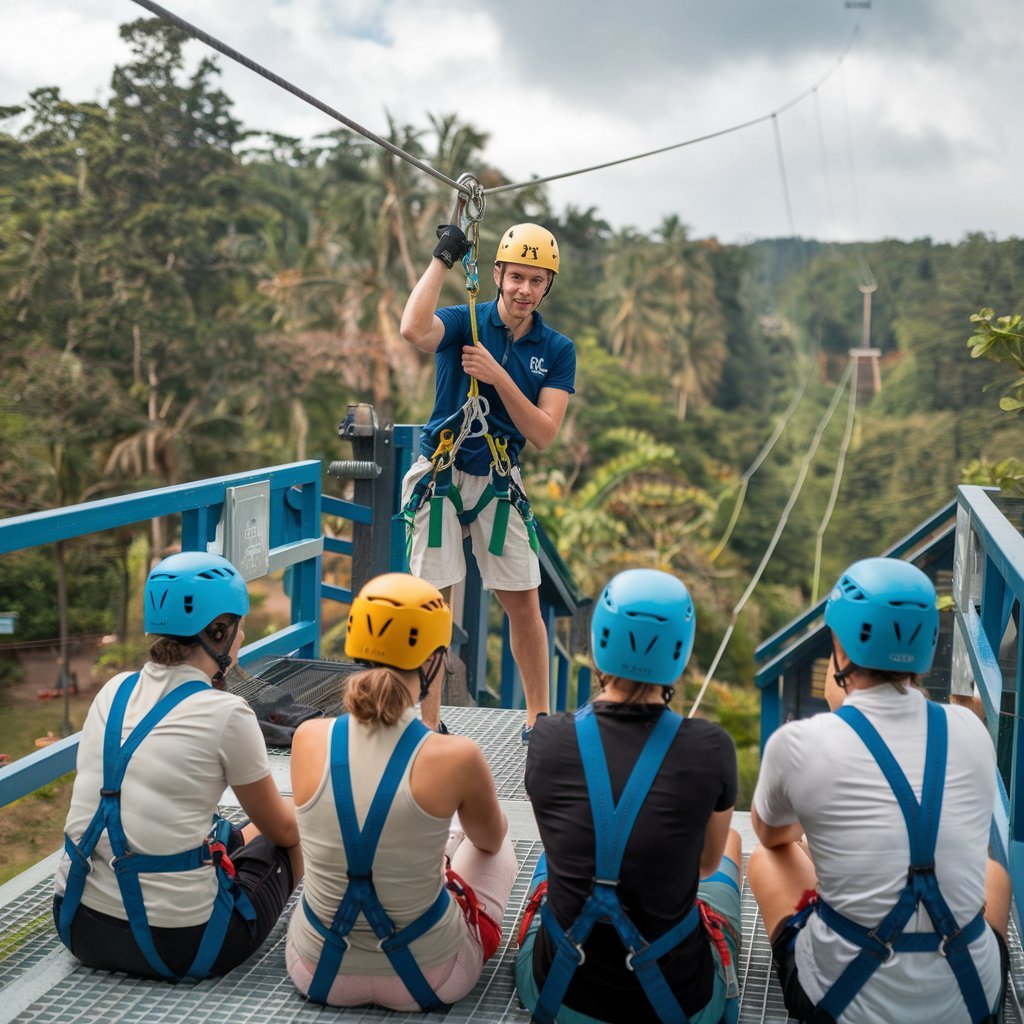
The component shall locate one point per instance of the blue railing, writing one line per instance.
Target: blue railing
(270, 519)
(784, 658)
(282, 520)
(988, 591)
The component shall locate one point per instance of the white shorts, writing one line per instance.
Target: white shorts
(516, 568)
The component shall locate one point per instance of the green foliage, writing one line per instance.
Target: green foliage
(1001, 339)
(1006, 474)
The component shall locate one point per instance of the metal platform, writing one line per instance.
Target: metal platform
(41, 982)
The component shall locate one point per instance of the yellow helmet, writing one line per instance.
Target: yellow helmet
(398, 620)
(530, 244)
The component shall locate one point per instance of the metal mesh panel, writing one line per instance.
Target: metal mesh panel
(26, 931)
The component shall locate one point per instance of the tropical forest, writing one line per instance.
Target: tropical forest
(185, 296)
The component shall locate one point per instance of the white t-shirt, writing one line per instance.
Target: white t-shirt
(174, 780)
(819, 772)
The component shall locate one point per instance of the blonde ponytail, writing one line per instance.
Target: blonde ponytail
(376, 696)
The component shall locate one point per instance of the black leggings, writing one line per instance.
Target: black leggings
(106, 943)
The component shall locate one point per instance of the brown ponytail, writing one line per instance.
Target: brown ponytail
(376, 696)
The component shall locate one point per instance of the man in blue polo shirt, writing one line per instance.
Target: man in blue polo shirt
(526, 372)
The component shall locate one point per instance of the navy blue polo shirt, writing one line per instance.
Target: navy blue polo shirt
(542, 358)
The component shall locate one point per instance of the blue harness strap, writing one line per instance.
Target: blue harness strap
(613, 824)
(127, 865)
(360, 893)
(880, 943)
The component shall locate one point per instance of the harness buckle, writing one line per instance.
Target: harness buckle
(380, 942)
(115, 793)
(368, 877)
(946, 939)
(632, 953)
(887, 946)
(920, 869)
(610, 882)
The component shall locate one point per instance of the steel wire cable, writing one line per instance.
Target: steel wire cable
(756, 465)
(819, 537)
(782, 175)
(836, 64)
(780, 526)
(259, 69)
(270, 76)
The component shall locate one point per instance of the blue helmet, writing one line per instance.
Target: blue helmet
(883, 612)
(643, 627)
(187, 591)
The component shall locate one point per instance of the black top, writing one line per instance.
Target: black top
(661, 866)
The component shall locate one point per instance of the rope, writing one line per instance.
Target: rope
(756, 465)
(782, 175)
(783, 519)
(688, 142)
(270, 76)
(844, 446)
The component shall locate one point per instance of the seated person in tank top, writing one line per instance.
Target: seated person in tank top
(400, 908)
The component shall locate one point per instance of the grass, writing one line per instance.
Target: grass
(32, 828)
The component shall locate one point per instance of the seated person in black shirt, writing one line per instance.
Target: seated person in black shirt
(638, 891)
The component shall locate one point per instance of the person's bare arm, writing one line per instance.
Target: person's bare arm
(775, 835)
(420, 324)
(715, 836)
(481, 815)
(269, 811)
(539, 423)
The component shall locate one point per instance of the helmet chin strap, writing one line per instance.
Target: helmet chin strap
(428, 670)
(221, 657)
(840, 675)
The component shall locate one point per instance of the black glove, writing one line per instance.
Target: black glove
(453, 244)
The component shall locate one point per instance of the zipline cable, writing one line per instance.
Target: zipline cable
(216, 44)
(688, 142)
(270, 76)
(851, 412)
(780, 526)
(782, 175)
(756, 465)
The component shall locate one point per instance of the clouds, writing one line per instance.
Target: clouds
(928, 95)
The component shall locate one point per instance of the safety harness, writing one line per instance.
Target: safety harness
(360, 894)
(436, 486)
(128, 865)
(885, 940)
(613, 824)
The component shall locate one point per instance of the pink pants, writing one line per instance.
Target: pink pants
(490, 875)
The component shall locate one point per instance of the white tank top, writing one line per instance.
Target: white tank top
(407, 868)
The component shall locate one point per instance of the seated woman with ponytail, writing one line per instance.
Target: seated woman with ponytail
(153, 882)
(382, 920)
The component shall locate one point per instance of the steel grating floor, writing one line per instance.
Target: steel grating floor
(40, 982)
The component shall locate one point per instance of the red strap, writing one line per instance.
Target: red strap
(715, 925)
(531, 908)
(220, 858)
(487, 929)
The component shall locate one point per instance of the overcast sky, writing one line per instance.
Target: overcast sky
(931, 96)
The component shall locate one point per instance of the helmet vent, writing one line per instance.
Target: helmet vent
(188, 604)
(654, 640)
(678, 650)
(414, 635)
(604, 637)
(865, 632)
(632, 641)
(384, 628)
(851, 590)
(899, 636)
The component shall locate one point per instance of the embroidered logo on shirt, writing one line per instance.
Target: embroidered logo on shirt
(537, 366)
